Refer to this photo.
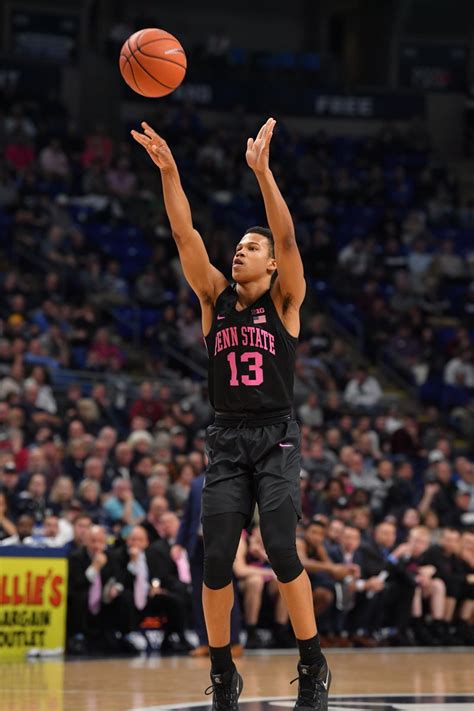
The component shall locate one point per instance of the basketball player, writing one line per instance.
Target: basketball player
(251, 329)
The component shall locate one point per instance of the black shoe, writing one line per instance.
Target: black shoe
(313, 687)
(423, 635)
(225, 689)
(254, 641)
(170, 646)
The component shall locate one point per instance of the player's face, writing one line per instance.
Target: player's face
(252, 259)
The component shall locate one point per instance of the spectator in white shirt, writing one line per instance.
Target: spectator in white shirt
(363, 390)
(460, 369)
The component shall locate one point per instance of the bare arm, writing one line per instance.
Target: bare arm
(241, 569)
(309, 564)
(205, 280)
(289, 288)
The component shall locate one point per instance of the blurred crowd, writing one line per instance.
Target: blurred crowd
(113, 470)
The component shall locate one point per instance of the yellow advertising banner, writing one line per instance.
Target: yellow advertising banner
(33, 598)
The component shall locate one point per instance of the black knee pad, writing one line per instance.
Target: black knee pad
(285, 562)
(278, 529)
(217, 567)
(221, 535)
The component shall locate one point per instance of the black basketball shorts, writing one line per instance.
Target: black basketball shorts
(252, 464)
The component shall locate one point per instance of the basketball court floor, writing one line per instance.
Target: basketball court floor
(379, 680)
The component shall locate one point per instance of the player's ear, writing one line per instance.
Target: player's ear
(272, 265)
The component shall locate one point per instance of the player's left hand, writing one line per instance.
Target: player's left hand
(258, 149)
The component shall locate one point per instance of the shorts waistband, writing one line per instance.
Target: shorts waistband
(249, 419)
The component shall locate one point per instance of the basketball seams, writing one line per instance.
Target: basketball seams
(133, 47)
(127, 59)
(163, 59)
(159, 39)
(146, 70)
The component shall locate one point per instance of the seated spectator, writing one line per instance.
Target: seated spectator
(7, 527)
(24, 531)
(80, 531)
(179, 491)
(74, 462)
(93, 619)
(159, 505)
(151, 590)
(10, 485)
(460, 370)
(103, 351)
(363, 390)
(34, 500)
(439, 495)
(55, 533)
(94, 469)
(147, 405)
(397, 592)
(53, 161)
(323, 573)
(428, 586)
(122, 461)
(402, 494)
(89, 495)
(310, 413)
(122, 510)
(142, 472)
(61, 494)
(254, 575)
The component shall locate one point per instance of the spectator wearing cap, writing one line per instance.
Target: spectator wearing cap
(122, 510)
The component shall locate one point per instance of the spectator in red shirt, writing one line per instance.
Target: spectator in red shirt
(147, 405)
(102, 351)
(19, 152)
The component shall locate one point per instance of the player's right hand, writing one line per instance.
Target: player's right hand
(155, 146)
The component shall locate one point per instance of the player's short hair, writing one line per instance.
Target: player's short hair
(265, 232)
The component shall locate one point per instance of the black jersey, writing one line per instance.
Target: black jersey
(251, 357)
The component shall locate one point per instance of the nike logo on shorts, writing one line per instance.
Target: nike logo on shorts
(285, 444)
(219, 317)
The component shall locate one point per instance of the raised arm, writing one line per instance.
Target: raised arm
(289, 287)
(205, 280)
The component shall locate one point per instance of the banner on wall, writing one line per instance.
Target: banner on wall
(33, 598)
(295, 100)
(434, 67)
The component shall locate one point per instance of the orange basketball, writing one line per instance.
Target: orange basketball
(152, 62)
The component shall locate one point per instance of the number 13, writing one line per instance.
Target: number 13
(255, 361)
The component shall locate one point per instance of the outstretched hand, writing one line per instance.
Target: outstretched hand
(258, 149)
(155, 146)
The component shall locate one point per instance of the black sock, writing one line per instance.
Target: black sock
(310, 651)
(221, 659)
(251, 629)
